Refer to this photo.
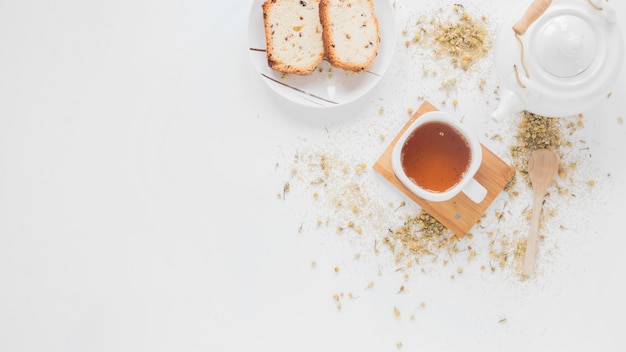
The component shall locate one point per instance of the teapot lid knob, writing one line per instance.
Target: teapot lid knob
(565, 46)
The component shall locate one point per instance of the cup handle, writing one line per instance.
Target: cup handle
(475, 191)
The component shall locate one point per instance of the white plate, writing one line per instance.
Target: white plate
(326, 86)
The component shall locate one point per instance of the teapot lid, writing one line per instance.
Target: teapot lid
(564, 46)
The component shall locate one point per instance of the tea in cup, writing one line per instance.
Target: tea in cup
(437, 157)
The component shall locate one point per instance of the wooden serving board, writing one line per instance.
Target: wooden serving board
(458, 214)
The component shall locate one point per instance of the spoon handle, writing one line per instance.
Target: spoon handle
(533, 234)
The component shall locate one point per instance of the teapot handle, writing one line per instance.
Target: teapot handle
(534, 11)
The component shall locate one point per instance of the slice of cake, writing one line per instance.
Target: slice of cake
(351, 35)
(293, 35)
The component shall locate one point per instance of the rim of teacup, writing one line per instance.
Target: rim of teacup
(476, 150)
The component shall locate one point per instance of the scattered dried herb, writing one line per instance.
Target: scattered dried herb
(463, 39)
(541, 132)
(420, 236)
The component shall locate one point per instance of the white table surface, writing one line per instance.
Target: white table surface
(138, 207)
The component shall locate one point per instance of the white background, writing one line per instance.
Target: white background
(138, 207)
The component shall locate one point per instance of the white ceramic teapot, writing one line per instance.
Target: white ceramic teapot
(557, 58)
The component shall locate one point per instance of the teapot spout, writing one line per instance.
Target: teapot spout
(509, 103)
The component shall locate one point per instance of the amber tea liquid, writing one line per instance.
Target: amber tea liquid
(435, 156)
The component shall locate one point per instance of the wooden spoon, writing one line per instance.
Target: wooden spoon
(542, 169)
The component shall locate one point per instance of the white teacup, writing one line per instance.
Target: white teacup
(437, 157)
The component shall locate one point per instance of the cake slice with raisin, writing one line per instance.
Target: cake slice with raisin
(293, 35)
(350, 33)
